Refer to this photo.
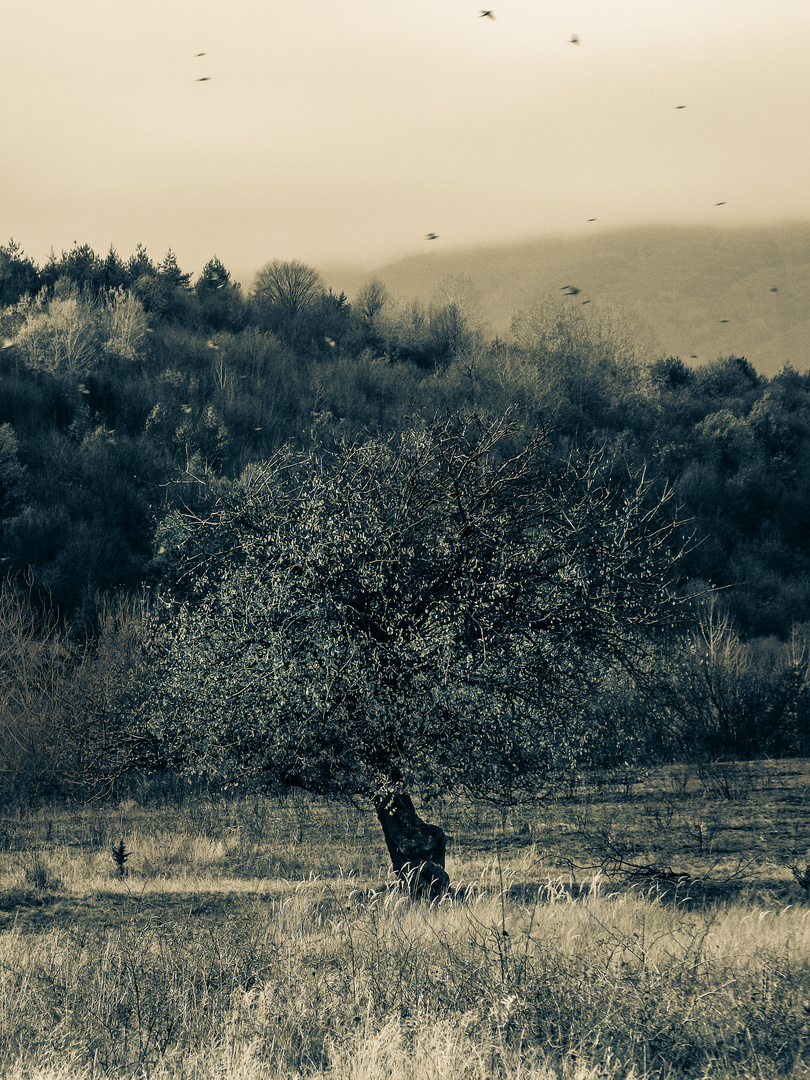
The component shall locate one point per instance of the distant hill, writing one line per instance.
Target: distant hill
(703, 292)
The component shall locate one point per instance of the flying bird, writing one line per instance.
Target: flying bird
(719, 204)
(591, 219)
(200, 54)
(774, 289)
(573, 40)
(486, 15)
(680, 106)
(205, 78)
(432, 236)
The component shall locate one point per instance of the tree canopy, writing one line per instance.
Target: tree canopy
(426, 611)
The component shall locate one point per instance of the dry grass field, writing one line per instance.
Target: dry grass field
(632, 924)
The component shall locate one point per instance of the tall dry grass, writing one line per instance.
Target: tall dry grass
(203, 961)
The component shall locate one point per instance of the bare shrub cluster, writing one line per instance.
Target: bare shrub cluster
(57, 696)
(740, 698)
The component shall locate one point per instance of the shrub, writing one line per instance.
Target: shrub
(742, 699)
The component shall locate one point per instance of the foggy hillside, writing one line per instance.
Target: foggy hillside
(702, 292)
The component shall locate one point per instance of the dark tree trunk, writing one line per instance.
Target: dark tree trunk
(417, 849)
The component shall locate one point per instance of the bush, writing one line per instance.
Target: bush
(57, 698)
(33, 667)
(741, 699)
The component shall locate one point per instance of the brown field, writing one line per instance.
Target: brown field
(644, 923)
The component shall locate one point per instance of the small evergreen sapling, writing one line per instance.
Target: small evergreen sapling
(120, 856)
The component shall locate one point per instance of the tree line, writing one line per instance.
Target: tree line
(122, 381)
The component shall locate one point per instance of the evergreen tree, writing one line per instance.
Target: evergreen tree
(214, 277)
(83, 268)
(18, 274)
(171, 272)
(114, 273)
(140, 265)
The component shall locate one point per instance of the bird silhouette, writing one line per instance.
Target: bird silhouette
(680, 106)
(573, 40)
(432, 236)
(719, 204)
(724, 320)
(774, 289)
(591, 219)
(486, 15)
(196, 54)
(205, 78)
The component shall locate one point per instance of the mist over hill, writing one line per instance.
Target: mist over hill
(703, 293)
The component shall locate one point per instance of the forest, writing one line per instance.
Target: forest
(128, 389)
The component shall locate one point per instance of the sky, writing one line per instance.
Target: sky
(345, 131)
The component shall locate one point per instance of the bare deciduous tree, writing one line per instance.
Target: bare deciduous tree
(288, 292)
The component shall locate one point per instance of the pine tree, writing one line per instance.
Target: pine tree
(171, 272)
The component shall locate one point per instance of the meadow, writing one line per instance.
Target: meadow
(634, 923)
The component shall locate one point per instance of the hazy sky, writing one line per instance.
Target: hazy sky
(345, 130)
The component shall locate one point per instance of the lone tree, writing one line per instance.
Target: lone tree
(422, 612)
(287, 295)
